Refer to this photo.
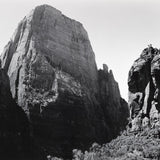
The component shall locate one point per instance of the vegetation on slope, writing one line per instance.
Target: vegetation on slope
(132, 146)
(143, 145)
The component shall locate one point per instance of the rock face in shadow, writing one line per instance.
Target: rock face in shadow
(54, 78)
(144, 89)
(113, 106)
(14, 126)
(16, 141)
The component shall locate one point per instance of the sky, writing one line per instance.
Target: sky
(118, 29)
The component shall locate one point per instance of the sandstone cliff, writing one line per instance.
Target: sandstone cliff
(54, 78)
(144, 89)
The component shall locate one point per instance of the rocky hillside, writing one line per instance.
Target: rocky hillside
(144, 89)
(54, 78)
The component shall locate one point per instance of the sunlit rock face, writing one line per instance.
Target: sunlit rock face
(144, 89)
(54, 78)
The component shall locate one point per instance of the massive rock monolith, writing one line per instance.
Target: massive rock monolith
(144, 89)
(54, 78)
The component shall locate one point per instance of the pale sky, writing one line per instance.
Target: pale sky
(118, 29)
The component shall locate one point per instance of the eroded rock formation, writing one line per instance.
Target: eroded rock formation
(54, 78)
(115, 109)
(144, 89)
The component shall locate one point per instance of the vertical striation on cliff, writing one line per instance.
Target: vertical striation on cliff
(54, 78)
(14, 126)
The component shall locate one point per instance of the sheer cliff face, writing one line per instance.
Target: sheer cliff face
(54, 77)
(46, 43)
(14, 126)
(144, 89)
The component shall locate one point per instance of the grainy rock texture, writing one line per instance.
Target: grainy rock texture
(144, 89)
(54, 78)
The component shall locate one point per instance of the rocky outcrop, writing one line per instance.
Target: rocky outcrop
(54, 77)
(144, 89)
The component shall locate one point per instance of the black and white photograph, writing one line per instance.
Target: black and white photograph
(79, 80)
